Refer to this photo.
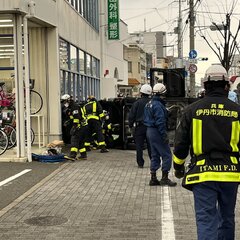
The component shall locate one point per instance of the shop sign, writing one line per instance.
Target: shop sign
(113, 19)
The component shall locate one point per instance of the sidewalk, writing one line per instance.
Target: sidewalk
(105, 197)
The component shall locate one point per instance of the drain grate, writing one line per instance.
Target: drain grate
(46, 220)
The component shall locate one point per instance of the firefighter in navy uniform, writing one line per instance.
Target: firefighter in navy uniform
(94, 114)
(79, 134)
(155, 118)
(135, 120)
(210, 130)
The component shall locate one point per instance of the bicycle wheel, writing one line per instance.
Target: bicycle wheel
(11, 134)
(32, 136)
(3, 142)
(36, 102)
(13, 139)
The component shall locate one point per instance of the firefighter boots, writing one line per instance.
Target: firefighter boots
(83, 156)
(104, 150)
(72, 156)
(165, 181)
(154, 181)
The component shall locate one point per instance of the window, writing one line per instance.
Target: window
(79, 72)
(73, 58)
(80, 8)
(88, 9)
(63, 54)
(88, 64)
(129, 67)
(81, 62)
(94, 67)
(139, 68)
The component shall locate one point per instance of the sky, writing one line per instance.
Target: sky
(162, 15)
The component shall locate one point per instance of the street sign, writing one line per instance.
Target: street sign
(192, 68)
(192, 60)
(193, 54)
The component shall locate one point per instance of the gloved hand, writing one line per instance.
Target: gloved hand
(179, 170)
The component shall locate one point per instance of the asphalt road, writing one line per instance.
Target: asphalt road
(17, 178)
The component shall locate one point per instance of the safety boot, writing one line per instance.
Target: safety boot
(165, 181)
(154, 181)
(88, 149)
(83, 156)
(104, 150)
(72, 156)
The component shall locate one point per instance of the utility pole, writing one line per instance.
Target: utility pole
(192, 43)
(180, 45)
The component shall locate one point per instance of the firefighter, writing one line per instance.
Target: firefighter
(135, 120)
(155, 118)
(210, 130)
(79, 133)
(66, 106)
(94, 114)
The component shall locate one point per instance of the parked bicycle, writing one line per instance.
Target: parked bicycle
(8, 125)
(3, 141)
(8, 100)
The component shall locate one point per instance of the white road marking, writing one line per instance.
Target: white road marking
(167, 215)
(14, 177)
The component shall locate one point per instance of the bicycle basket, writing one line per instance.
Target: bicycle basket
(7, 116)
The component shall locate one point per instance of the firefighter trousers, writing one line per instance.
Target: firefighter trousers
(160, 150)
(94, 127)
(215, 210)
(140, 137)
(78, 138)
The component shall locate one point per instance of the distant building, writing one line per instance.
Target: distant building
(137, 74)
(153, 43)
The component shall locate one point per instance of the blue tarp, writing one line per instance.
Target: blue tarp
(48, 158)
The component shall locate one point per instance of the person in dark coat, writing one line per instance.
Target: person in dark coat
(136, 124)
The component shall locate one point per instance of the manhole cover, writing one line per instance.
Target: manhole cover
(46, 221)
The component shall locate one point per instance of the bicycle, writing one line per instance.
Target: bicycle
(8, 125)
(12, 136)
(8, 100)
(3, 142)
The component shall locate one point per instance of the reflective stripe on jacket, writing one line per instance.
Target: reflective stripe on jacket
(210, 129)
(93, 110)
(79, 116)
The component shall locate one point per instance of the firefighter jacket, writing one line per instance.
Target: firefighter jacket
(93, 110)
(210, 129)
(156, 115)
(78, 116)
(137, 111)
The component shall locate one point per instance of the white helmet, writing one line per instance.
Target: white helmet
(216, 72)
(146, 89)
(159, 88)
(65, 97)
